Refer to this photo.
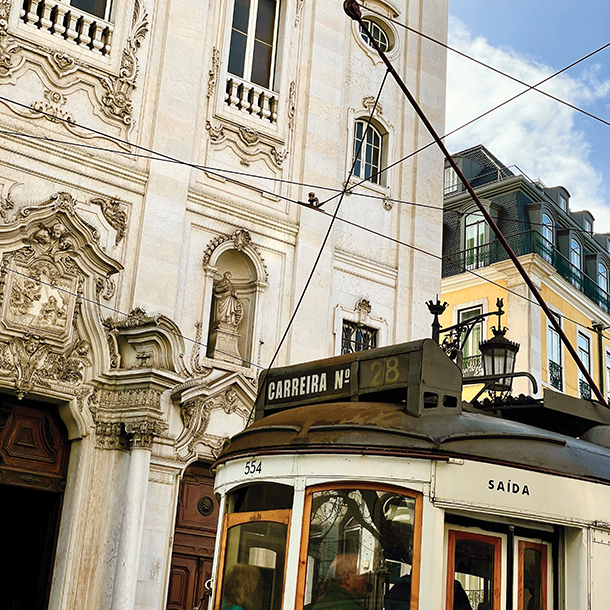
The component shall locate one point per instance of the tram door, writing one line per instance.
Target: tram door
(194, 540)
(33, 465)
(478, 577)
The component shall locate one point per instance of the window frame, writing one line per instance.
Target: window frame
(304, 543)
(548, 236)
(550, 330)
(543, 548)
(374, 25)
(497, 541)
(250, 42)
(601, 265)
(477, 251)
(282, 516)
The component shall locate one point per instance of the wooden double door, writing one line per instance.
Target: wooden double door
(33, 465)
(194, 539)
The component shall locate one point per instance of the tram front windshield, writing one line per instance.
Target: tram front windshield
(360, 552)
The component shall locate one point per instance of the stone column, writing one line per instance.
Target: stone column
(136, 486)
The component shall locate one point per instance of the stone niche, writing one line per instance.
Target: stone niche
(232, 314)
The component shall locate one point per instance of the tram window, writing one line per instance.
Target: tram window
(363, 546)
(253, 559)
(260, 496)
(532, 592)
(473, 581)
(449, 401)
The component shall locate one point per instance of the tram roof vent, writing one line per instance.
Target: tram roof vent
(417, 374)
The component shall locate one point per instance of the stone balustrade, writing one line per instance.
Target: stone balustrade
(67, 22)
(250, 98)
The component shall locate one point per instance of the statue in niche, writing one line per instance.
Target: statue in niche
(227, 313)
(227, 307)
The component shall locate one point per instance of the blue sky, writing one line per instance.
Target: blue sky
(546, 140)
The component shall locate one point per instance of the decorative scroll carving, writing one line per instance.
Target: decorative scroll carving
(143, 432)
(52, 108)
(299, 8)
(249, 135)
(213, 74)
(9, 49)
(278, 156)
(200, 370)
(6, 205)
(196, 417)
(63, 63)
(117, 101)
(111, 435)
(105, 287)
(292, 95)
(216, 133)
(364, 306)
(241, 239)
(114, 213)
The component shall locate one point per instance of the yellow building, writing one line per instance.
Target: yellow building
(567, 261)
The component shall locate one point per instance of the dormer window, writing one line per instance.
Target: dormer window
(563, 202)
(451, 180)
(588, 225)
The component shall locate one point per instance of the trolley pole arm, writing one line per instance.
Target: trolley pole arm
(352, 9)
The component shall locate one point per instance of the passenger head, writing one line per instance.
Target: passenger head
(242, 587)
(344, 571)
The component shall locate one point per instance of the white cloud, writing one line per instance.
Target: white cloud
(534, 132)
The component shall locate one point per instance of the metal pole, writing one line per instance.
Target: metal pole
(352, 9)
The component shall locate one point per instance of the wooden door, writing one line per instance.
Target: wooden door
(194, 540)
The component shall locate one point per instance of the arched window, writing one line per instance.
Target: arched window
(368, 152)
(547, 238)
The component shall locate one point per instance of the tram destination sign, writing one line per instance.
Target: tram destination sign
(384, 372)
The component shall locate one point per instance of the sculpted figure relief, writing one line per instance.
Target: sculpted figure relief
(227, 307)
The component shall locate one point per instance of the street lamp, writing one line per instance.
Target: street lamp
(499, 359)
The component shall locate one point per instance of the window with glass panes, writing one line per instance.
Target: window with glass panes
(474, 240)
(368, 151)
(377, 32)
(253, 41)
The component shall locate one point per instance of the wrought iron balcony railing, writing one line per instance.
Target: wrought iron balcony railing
(528, 242)
(556, 375)
(584, 389)
(472, 366)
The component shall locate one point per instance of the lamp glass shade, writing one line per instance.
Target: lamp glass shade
(498, 358)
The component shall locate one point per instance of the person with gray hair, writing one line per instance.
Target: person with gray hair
(344, 586)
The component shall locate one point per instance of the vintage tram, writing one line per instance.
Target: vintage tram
(366, 483)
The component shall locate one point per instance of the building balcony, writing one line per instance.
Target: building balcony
(584, 389)
(528, 242)
(472, 366)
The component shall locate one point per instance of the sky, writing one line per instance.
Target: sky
(546, 140)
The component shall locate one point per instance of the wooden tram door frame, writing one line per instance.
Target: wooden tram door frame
(496, 541)
(542, 548)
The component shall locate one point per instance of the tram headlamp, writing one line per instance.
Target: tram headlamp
(499, 358)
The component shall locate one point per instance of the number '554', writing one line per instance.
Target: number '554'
(253, 466)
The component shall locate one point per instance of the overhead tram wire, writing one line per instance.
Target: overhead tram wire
(497, 70)
(352, 9)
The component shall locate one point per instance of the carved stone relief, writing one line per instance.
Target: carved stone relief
(213, 74)
(249, 142)
(42, 292)
(114, 212)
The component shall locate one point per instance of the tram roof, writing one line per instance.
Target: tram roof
(387, 430)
